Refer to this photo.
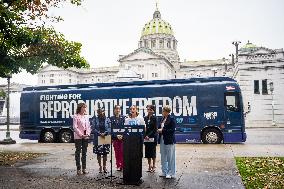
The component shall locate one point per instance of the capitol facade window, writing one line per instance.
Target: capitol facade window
(256, 87)
(161, 43)
(169, 44)
(154, 74)
(153, 43)
(145, 43)
(264, 87)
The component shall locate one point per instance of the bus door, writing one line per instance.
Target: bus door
(233, 117)
(211, 107)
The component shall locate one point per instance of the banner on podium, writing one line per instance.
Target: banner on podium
(129, 130)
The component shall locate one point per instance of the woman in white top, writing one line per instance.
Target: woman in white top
(134, 118)
(133, 150)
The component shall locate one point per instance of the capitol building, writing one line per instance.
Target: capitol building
(258, 70)
(155, 58)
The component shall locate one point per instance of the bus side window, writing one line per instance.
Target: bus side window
(232, 102)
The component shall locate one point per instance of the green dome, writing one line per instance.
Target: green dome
(157, 26)
(248, 46)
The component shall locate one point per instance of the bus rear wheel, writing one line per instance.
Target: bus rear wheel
(66, 136)
(211, 136)
(48, 136)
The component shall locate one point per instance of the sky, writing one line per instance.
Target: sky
(204, 29)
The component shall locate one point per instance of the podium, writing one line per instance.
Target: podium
(132, 152)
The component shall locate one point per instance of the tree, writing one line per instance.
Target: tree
(27, 41)
(2, 94)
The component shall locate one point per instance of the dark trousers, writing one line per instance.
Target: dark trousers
(81, 144)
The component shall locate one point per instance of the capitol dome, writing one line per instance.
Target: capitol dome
(158, 36)
(157, 26)
(249, 47)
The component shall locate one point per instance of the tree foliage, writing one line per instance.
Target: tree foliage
(2, 94)
(27, 41)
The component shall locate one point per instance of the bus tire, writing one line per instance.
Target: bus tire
(66, 136)
(211, 136)
(48, 136)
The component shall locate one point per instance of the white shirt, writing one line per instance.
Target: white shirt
(134, 121)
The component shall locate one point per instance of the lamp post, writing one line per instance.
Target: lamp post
(8, 139)
(271, 88)
(236, 43)
(214, 70)
(233, 58)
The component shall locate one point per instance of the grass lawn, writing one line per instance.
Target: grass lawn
(261, 172)
(10, 158)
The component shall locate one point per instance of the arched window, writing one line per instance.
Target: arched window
(146, 43)
(153, 43)
(169, 43)
(174, 45)
(161, 43)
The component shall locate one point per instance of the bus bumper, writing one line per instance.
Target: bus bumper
(30, 136)
(234, 137)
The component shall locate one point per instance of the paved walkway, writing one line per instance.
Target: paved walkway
(198, 165)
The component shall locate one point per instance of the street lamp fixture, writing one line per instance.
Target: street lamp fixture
(8, 139)
(236, 44)
(271, 88)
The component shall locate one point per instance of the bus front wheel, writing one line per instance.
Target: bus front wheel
(66, 136)
(48, 136)
(211, 136)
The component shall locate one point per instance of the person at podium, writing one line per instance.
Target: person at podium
(133, 150)
(134, 118)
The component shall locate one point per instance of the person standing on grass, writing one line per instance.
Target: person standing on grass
(82, 132)
(117, 121)
(150, 140)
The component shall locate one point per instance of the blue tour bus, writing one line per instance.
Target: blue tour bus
(208, 110)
